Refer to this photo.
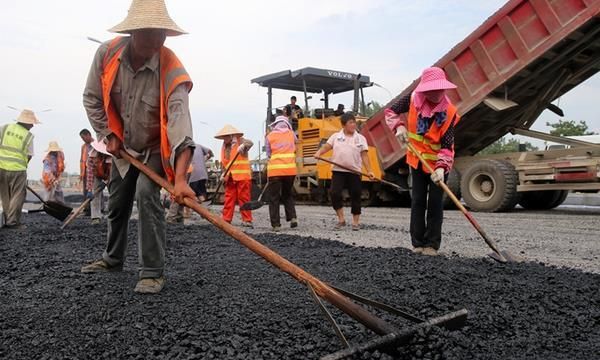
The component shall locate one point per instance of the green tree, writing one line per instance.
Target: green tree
(569, 128)
(505, 145)
(372, 108)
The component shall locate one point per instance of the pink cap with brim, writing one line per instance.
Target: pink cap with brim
(434, 78)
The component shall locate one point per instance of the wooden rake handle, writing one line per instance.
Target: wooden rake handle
(359, 173)
(69, 220)
(340, 301)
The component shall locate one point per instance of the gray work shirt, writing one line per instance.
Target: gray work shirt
(136, 97)
(199, 163)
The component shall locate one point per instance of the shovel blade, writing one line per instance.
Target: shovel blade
(57, 210)
(252, 205)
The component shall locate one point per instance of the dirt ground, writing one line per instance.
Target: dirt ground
(566, 236)
(223, 302)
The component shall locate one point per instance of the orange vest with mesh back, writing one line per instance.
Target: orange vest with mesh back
(283, 154)
(240, 170)
(172, 74)
(428, 144)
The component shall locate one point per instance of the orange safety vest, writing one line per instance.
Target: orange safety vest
(83, 158)
(429, 143)
(172, 74)
(283, 154)
(240, 170)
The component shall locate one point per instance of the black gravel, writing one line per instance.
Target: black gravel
(223, 302)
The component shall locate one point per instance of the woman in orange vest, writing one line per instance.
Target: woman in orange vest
(281, 171)
(238, 181)
(430, 129)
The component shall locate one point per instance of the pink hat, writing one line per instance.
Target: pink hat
(434, 78)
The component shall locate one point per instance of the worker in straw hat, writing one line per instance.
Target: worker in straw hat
(136, 98)
(430, 130)
(238, 181)
(98, 166)
(16, 150)
(54, 166)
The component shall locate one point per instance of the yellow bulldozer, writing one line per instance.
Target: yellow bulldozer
(313, 128)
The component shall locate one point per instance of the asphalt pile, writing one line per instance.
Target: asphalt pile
(223, 302)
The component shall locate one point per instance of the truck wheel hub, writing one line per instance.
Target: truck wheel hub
(482, 187)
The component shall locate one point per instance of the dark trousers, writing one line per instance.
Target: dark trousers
(345, 180)
(151, 224)
(426, 197)
(281, 190)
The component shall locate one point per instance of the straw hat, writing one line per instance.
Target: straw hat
(434, 78)
(148, 14)
(228, 130)
(100, 147)
(53, 146)
(27, 117)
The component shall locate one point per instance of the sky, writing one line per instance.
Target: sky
(46, 57)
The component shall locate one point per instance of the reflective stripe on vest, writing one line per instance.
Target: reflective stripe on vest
(240, 170)
(428, 144)
(172, 74)
(283, 154)
(14, 142)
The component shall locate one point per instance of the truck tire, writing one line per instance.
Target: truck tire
(453, 183)
(543, 199)
(490, 186)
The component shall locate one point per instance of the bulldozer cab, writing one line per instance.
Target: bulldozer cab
(311, 81)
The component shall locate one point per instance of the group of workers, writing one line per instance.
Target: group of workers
(136, 99)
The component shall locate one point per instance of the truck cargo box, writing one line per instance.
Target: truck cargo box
(530, 52)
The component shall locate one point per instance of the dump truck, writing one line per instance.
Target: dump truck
(507, 72)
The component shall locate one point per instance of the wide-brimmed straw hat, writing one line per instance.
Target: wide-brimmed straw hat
(148, 14)
(53, 146)
(27, 117)
(100, 147)
(228, 130)
(434, 78)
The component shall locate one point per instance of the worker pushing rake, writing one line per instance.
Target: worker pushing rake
(140, 169)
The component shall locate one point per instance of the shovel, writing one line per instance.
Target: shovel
(388, 183)
(53, 208)
(98, 190)
(389, 334)
(498, 255)
(256, 204)
(220, 183)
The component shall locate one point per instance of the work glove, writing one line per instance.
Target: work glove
(437, 175)
(402, 134)
(241, 148)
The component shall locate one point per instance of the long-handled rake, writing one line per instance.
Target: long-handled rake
(498, 255)
(385, 182)
(391, 336)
